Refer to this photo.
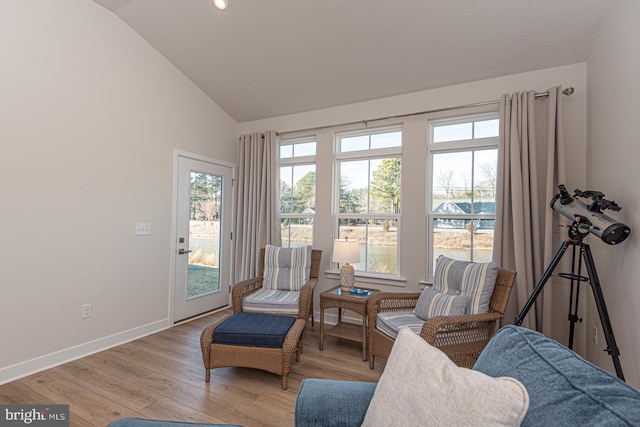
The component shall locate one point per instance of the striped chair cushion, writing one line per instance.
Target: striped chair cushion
(286, 269)
(271, 301)
(390, 322)
(433, 303)
(474, 280)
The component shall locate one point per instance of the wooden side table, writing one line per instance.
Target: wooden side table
(335, 298)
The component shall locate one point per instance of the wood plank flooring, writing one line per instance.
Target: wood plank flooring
(161, 376)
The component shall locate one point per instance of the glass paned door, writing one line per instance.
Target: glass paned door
(203, 237)
(203, 268)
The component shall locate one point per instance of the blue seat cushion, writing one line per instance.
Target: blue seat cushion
(563, 388)
(253, 330)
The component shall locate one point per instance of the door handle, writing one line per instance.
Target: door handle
(182, 252)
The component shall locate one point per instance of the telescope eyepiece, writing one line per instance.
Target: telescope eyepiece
(565, 197)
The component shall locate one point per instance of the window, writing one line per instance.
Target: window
(463, 165)
(297, 191)
(367, 191)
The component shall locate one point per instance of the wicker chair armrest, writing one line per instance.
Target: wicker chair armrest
(393, 301)
(309, 286)
(306, 298)
(389, 301)
(456, 324)
(292, 338)
(242, 289)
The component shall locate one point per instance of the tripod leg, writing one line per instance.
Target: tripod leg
(612, 347)
(536, 291)
(575, 294)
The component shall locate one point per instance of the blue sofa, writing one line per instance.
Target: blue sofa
(563, 388)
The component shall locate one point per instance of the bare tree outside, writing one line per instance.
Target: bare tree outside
(446, 178)
(490, 174)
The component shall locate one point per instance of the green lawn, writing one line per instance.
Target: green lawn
(202, 279)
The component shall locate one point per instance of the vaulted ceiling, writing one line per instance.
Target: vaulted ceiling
(265, 58)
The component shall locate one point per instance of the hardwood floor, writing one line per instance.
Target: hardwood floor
(161, 376)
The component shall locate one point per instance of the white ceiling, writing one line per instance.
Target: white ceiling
(265, 58)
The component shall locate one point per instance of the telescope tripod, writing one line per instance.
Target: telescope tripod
(576, 278)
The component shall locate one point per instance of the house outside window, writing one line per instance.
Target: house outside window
(367, 204)
(461, 187)
(297, 190)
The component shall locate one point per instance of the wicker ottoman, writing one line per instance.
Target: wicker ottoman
(253, 340)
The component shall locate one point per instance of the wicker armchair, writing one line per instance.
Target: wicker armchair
(461, 337)
(241, 289)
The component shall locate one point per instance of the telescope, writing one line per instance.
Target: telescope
(589, 218)
(585, 219)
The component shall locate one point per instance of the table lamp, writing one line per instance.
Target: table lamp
(344, 252)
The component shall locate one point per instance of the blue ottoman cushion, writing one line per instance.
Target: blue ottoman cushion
(563, 388)
(253, 330)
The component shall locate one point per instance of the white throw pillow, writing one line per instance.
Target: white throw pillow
(421, 386)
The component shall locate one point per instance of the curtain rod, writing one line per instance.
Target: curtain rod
(568, 91)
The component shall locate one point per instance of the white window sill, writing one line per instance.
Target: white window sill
(376, 279)
(426, 283)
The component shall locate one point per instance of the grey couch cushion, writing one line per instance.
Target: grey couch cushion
(563, 388)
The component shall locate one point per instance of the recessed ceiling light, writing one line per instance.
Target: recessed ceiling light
(221, 4)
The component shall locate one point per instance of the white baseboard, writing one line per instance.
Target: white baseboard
(23, 369)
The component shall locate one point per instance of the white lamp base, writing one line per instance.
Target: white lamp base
(347, 277)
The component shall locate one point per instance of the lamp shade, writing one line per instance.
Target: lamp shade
(345, 251)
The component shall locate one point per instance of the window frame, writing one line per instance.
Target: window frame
(297, 161)
(454, 146)
(368, 154)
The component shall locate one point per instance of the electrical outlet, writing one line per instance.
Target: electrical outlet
(87, 311)
(143, 229)
(595, 334)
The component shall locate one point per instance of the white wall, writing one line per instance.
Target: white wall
(89, 116)
(413, 247)
(613, 68)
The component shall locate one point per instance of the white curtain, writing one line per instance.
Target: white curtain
(531, 165)
(257, 201)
